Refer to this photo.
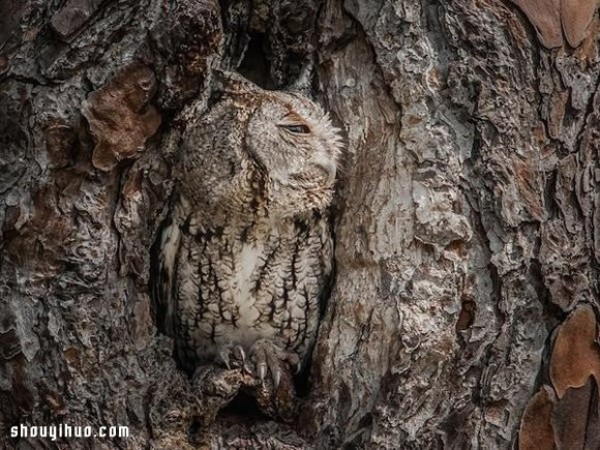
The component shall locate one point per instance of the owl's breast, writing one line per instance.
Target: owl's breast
(259, 284)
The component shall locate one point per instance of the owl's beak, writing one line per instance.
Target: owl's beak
(325, 165)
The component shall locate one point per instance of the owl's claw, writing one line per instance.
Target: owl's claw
(276, 377)
(268, 357)
(233, 356)
(225, 358)
(242, 353)
(294, 361)
(262, 372)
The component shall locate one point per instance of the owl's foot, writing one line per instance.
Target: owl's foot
(268, 357)
(264, 373)
(233, 356)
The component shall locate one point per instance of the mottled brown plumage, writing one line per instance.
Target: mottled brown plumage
(247, 250)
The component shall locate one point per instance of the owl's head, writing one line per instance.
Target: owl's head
(279, 143)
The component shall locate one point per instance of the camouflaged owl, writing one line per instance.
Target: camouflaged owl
(246, 252)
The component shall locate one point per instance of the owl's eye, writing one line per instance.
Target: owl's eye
(299, 128)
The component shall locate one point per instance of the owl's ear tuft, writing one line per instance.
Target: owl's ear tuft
(232, 82)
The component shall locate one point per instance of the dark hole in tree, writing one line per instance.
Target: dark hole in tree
(242, 405)
(255, 65)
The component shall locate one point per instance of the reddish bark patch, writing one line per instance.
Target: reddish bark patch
(544, 15)
(120, 116)
(536, 431)
(575, 355)
(576, 17)
(570, 417)
(552, 18)
(588, 49)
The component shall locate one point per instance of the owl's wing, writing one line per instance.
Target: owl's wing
(327, 261)
(165, 256)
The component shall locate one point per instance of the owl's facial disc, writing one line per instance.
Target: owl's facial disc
(292, 141)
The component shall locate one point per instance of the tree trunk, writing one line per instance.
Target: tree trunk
(465, 306)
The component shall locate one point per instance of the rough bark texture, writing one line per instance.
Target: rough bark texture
(465, 308)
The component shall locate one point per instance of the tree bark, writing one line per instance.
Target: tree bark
(465, 306)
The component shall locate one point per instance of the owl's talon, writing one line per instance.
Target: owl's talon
(294, 362)
(276, 378)
(262, 372)
(233, 356)
(225, 358)
(268, 357)
(241, 354)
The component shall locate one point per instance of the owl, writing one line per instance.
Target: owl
(246, 252)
